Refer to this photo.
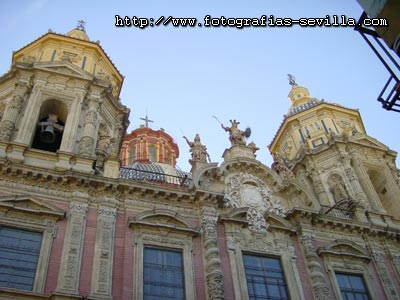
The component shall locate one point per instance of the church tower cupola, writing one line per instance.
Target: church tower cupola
(60, 104)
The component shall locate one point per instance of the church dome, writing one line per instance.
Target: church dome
(150, 155)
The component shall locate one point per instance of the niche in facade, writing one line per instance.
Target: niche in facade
(385, 194)
(50, 126)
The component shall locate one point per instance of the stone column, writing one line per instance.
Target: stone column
(27, 127)
(101, 286)
(88, 139)
(213, 271)
(319, 287)
(68, 277)
(13, 110)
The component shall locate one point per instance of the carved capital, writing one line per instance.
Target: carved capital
(107, 212)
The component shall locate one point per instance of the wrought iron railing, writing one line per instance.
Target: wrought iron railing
(144, 159)
(155, 177)
(336, 212)
(390, 94)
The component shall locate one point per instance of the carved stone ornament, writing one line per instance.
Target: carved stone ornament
(256, 220)
(215, 286)
(6, 128)
(246, 190)
(86, 145)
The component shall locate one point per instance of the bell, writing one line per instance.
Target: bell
(47, 136)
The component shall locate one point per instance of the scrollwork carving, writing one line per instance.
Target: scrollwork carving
(215, 286)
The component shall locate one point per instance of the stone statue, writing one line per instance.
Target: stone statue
(253, 147)
(279, 166)
(198, 150)
(337, 188)
(236, 136)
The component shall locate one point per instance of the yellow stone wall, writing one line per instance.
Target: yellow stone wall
(81, 52)
(317, 122)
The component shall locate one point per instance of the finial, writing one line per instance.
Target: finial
(292, 79)
(146, 120)
(81, 25)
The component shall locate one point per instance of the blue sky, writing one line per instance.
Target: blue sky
(184, 76)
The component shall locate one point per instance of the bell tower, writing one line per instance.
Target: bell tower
(60, 106)
(327, 148)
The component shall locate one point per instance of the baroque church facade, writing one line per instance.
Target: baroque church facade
(90, 212)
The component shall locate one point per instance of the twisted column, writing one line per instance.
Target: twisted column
(319, 287)
(214, 275)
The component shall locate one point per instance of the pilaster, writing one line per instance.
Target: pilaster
(68, 277)
(101, 286)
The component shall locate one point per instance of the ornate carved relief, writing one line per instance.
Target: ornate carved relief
(68, 278)
(378, 257)
(86, 144)
(246, 190)
(104, 253)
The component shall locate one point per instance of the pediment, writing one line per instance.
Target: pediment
(64, 68)
(276, 222)
(28, 204)
(365, 140)
(236, 215)
(163, 219)
(344, 248)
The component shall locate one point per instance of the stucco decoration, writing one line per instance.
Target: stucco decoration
(246, 190)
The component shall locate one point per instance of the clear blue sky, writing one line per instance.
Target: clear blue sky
(183, 77)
